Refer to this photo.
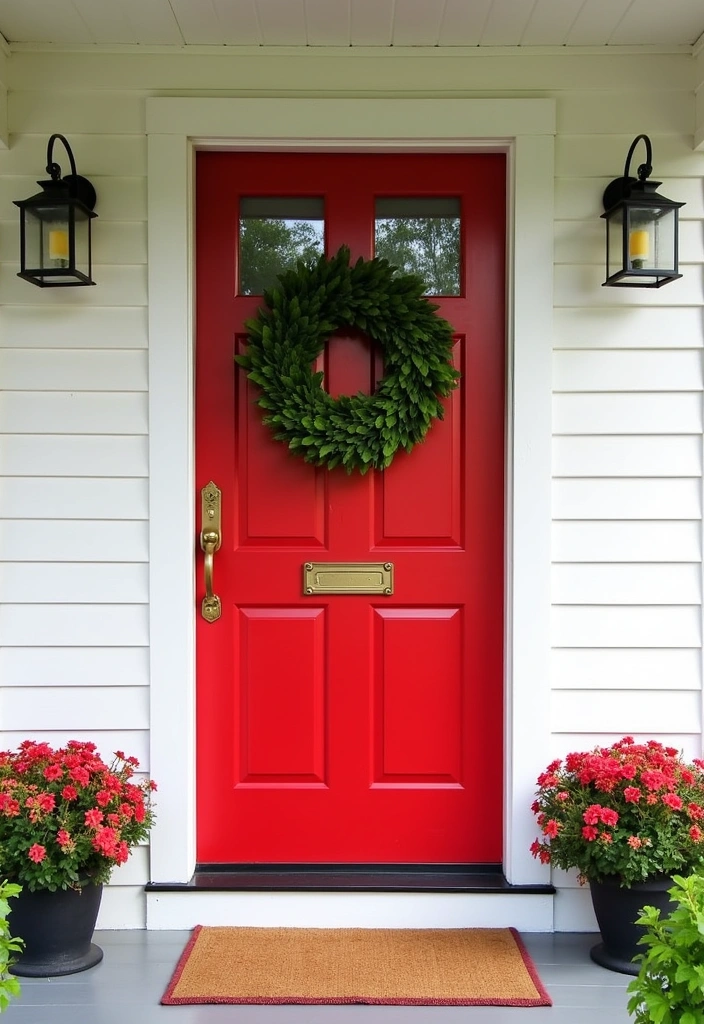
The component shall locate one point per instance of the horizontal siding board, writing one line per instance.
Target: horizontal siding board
(71, 498)
(73, 412)
(588, 626)
(118, 198)
(581, 198)
(673, 711)
(627, 669)
(134, 742)
(99, 154)
(73, 369)
(122, 906)
(626, 499)
(582, 286)
(74, 625)
(634, 413)
(626, 542)
(637, 370)
(80, 327)
(89, 112)
(686, 740)
(73, 455)
(73, 541)
(74, 666)
(588, 155)
(629, 584)
(135, 871)
(596, 113)
(627, 456)
(583, 241)
(113, 241)
(118, 286)
(74, 583)
(678, 327)
(53, 707)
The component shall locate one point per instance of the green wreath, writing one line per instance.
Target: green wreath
(290, 331)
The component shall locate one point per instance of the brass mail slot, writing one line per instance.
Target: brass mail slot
(348, 578)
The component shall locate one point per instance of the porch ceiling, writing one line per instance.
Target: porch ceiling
(353, 22)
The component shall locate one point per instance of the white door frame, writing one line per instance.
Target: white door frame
(176, 127)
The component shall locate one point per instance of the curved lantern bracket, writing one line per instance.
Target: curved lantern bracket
(79, 187)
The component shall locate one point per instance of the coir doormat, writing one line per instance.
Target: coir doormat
(415, 967)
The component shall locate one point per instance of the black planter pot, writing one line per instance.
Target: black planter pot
(57, 928)
(616, 910)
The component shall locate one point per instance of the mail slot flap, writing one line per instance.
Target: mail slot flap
(348, 578)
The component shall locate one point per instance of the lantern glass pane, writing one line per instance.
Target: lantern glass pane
(614, 243)
(82, 242)
(33, 240)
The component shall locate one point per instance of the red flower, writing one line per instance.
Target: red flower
(121, 852)
(631, 794)
(606, 837)
(563, 795)
(635, 841)
(696, 834)
(69, 793)
(139, 812)
(590, 832)
(550, 829)
(695, 811)
(80, 775)
(12, 809)
(52, 772)
(37, 853)
(46, 802)
(93, 817)
(103, 797)
(672, 800)
(105, 841)
(654, 779)
(608, 816)
(63, 838)
(592, 815)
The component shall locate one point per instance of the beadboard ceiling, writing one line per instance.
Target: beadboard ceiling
(353, 22)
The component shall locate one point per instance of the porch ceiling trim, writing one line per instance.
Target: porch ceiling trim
(524, 129)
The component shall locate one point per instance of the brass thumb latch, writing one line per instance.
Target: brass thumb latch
(210, 541)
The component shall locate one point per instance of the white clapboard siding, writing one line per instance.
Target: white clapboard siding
(582, 241)
(626, 542)
(74, 455)
(90, 113)
(581, 198)
(661, 327)
(119, 286)
(133, 742)
(675, 412)
(638, 370)
(121, 155)
(73, 369)
(85, 327)
(74, 583)
(73, 412)
(673, 711)
(626, 499)
(73, 541)
(74, 625)
(628, 584)
(630, 456)
(120, 707)
(74, 666)
(122, 906)
(74, 498)
(113, 241)
(577, 157)
(687, 741)
(640, 626)
(594, 114)
(118, 199)
(677, 668)
(581, 286)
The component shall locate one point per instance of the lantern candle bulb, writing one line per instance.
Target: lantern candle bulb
(58, 245)
(639, 248)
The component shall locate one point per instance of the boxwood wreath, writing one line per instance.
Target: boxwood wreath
(290, 331)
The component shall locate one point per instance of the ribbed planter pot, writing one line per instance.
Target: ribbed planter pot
(57, 928)
(616, 910)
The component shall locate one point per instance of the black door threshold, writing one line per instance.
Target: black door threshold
(455, 878)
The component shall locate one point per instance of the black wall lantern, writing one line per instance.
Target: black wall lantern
(55, 243)
(641, 228)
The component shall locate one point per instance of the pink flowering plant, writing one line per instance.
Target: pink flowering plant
(632, 811)
(67, 817)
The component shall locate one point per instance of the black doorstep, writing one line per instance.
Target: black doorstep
(466, 878)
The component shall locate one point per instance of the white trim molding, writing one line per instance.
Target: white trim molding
(524, 129)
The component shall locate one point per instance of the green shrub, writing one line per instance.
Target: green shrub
(9, 985)
(670, 986)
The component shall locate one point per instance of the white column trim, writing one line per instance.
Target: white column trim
(176, 126)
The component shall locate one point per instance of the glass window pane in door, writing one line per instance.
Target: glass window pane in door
(276, 232)
(421, 235)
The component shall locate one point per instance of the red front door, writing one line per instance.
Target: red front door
(351, 728)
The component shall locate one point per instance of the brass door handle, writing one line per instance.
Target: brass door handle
(210, 541)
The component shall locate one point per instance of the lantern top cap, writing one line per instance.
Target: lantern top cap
(640, 191)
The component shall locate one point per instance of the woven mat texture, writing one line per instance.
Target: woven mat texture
(476, 966)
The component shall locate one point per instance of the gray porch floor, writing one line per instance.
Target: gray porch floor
(127, 986)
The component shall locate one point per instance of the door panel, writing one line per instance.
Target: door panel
(352, 728)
